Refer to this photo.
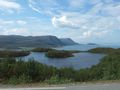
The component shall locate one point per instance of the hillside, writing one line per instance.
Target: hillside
(68, 41)
(15, 41)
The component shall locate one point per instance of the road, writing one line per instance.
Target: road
(96, 87)
(114, 86)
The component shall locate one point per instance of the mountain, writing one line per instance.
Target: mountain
(15, 41)
(68, 41)
(91, 44)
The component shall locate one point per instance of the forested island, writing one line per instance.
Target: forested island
(53, 53)
(4, 53)
(14, 71)
(104, 50)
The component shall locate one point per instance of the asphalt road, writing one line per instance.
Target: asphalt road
(78, 87)
(96, 87)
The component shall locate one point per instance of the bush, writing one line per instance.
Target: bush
(57, 80)
(59, 54)
(13, 80)
(24, 79)
(19, 80)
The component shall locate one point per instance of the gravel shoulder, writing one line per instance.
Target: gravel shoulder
(60, 85)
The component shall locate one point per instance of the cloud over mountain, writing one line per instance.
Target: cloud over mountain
(83, 20)
(90, 17)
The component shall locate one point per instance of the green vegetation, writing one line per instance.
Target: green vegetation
(42, 49)
(53, 53)
(13, 53)
(57, 80)
(18, 71)
(59, 54)
(104, 50)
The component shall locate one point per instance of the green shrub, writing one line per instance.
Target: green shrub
(57, 80)
(59, 54)
(13, 80)
(24, 79)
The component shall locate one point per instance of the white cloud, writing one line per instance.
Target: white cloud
(4, 22)
(93, 33)
(92, 18)
(63, 22)
(12, 22)
(9, 5)
(21, 22)
(77, 3)
(15, 31)
(112, 10)
(49, 7)
(101, 19)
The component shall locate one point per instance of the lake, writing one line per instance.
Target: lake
(78, 47)
(85, 47)
(80, 60)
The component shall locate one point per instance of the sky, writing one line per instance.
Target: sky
(85, 21)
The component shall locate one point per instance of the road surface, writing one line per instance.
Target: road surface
(114, 86)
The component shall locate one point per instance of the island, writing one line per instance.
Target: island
(53, 53)
(4, 54)
(42, 49)
(59, 54)
(103, 50)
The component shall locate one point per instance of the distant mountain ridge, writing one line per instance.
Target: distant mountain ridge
(68, 41)
(92, 44)
(15, 41)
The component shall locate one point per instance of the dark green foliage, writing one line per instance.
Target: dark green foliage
(111, 67)
(103, 50)
(82, 75)
(19, 80)
(66, 73)
(41, 49)
(57, 80)
(30, 71)
(13, 53)
(59, 54)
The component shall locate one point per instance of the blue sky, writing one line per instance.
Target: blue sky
(82, 20)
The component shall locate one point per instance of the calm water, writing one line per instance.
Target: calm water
(80, 60)
(78, 47)
(86, 47)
